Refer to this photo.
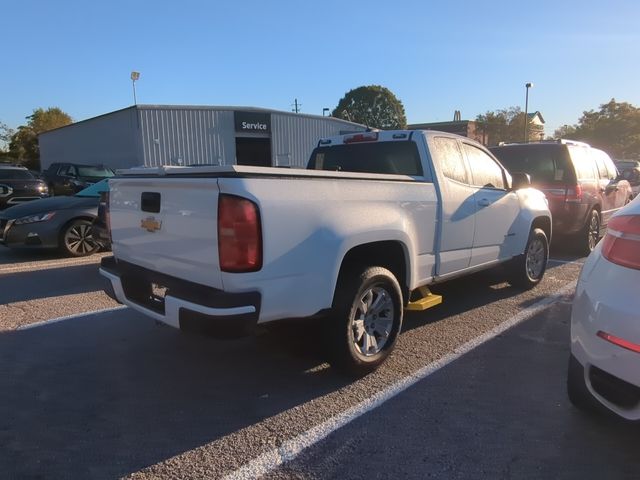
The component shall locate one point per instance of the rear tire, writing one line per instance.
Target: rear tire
(579, 394)
(366, 320)
(590, 234)
(527, 270)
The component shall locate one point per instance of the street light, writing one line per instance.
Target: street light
(134, 76)
(325, 110)
(527, 85)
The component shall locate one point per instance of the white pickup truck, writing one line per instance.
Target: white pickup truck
(353, 240)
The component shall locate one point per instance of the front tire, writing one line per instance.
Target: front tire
(76, 239)
(366, 320)
(528, 269)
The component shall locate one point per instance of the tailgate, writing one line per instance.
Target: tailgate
(167, 225)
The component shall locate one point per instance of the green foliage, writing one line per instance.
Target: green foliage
(5, 137)
(23, 144)
(505, 125)
(615, 128)
(372, 105)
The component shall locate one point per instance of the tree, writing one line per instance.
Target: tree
(372, 105)
(23, 144)
(615, 128)
(5, 137)
(506, 125)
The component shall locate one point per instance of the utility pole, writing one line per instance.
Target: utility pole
(296, 106)
(527, 86)
(134, 76)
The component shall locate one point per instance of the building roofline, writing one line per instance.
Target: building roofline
(452, 122)
(207, 107)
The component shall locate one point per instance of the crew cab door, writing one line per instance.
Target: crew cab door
(496, 208)
(458, 205)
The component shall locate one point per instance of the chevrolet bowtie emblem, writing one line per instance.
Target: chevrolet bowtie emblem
(150, 224)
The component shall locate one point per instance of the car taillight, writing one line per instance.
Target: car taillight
(621, 244)
(574, 194)
(239, 234)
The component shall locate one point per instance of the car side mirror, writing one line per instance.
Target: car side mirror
(520, 180)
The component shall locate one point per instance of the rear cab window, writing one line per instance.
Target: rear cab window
(396, 158)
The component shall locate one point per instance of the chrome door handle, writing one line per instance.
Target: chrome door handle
(484, 202)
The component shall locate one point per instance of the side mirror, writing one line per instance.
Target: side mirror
(520, 180)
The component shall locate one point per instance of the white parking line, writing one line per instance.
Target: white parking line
(69, 317)
(290, 449)
(48, 264)
(567, 262)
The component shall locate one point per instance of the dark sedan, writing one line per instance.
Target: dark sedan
(59, 222)
(18, 185)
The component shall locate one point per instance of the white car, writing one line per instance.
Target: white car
(604, 368)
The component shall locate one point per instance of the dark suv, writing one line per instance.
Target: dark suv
(70, 178)
(18, 185)
(581, 183)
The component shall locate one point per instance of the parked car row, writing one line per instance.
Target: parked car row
(63, 223)
(582, 185)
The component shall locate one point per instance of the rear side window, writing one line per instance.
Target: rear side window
(399, 158)
(584, 163)
(448, 155)
(545, 163)
(485, 172)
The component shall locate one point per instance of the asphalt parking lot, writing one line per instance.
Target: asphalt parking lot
(108, 393)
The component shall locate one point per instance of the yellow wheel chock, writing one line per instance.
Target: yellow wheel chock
(426, 300)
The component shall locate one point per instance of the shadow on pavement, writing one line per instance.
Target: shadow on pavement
(68, 280)
(110, 394)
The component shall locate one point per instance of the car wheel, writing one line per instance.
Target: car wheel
(76, 239)
(579, 394)
(366, 320)
(528, 269)
(590, 234)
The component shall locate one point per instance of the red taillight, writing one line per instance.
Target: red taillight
(574, 194)
(621, 244)
(361, 137)
(239, 235)
(621, 342)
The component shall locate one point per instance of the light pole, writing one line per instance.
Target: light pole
(527, 85)
(325, 110)
(134, 76)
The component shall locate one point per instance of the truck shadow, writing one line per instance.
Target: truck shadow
(112, 393)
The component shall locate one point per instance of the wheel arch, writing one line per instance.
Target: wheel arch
(544, 223)
(390, 254)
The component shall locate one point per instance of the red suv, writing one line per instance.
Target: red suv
(581, 183)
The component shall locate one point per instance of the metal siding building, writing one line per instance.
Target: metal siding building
(153, 135)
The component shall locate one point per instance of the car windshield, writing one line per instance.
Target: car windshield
(90, 171)
(94, 190)
(544, 163)
(15, 174)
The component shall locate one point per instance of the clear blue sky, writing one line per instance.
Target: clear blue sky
(436, 56)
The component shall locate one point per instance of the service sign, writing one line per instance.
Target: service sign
(253, 122)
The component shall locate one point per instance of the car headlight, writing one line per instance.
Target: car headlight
(42, 188)
(40, 217)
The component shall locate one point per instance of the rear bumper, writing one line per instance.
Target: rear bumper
(185, 305)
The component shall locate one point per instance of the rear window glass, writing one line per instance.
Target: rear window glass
(586, 168)
(399, 158)
(544, 163)
(95, 172)
(15, 174)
